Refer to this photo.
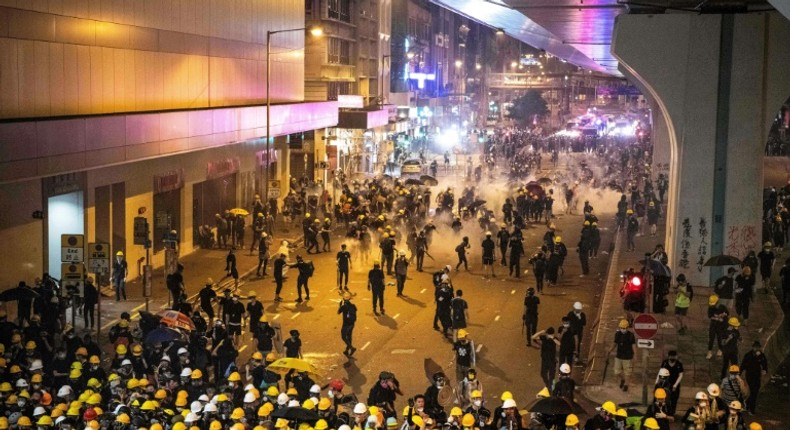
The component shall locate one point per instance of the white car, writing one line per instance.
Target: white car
(411, 166)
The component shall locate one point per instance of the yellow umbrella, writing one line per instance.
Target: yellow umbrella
(285, 365)
(239, 211)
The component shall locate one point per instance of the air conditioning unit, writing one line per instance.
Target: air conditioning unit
(439, 40)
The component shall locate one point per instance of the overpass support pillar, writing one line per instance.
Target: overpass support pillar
(715, 81)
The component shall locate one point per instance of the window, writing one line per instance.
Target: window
(308, 8)
(334, 89)
(339, 51)
(339, 10)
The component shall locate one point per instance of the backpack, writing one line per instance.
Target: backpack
(310, 269)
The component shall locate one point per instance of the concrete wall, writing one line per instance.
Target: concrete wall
(22, 234)
(79, 57)
(684, 83)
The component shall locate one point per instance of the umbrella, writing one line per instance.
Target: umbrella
(413, 181)
(551, 406)
(477, 203)
(286, 364)
(722, 260)
(296, 413)
(429, 180)
(162, 335)
(431, 368)
(535, 188)
(176, 319)
(545, 181)
(239, 211)
(18, 293)
(657, 268)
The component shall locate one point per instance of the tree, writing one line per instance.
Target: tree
(528, 107)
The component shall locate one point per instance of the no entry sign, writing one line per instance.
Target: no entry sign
(645, 326)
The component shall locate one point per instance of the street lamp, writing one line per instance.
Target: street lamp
(459, 63)
(314, 31)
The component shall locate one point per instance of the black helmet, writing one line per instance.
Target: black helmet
(681, 278)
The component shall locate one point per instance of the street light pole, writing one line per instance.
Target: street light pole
(315, 31)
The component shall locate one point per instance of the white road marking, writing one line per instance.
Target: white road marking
(335, 300)
(242, 348)
(395, 316)
(296, 315)
(496, 318)
(479, 347)
(364, 346)
(423, 290)
(513, 292)
(404, 351)
(319, 355)
(276, 316)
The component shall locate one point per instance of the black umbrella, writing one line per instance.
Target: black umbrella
(429, 180)
(162, 335)
(477, 203)
(18, 293)
(545, 181)
(722, 260)
(296, 413)
(657, 268)
(552, 406)
(413, 181)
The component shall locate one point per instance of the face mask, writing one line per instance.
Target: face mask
(478, 403)
(566, 325)
(20, 403)
(450, 419)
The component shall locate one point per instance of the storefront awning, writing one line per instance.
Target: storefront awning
(363, 119)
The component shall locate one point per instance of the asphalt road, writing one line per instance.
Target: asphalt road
(402, 339)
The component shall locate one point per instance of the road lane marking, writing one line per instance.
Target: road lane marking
(496, 318)
(364, 346)
(242, 348)
(479, 347)
(276, 316)
(513, 292)
(395, 316)
(423, 290)
(404, 351)
(296, 315)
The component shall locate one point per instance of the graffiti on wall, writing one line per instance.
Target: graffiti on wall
(702, 250)
(685, 244)
(741, 239)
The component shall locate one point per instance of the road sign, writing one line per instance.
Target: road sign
(99, 258)
(645, 343)
(72, 276)
(645, 326)
(72, 248)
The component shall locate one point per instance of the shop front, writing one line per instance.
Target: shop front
(167, 206)
(64, 197)
(216, 194)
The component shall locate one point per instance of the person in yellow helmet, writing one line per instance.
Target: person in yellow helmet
(624, 343)
(729, 345)
(120, 271)
(659, 409)
(631, 229)
(717, 324)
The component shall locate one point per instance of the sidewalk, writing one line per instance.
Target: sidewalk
(766, 317)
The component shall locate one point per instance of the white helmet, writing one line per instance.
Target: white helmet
(293, 403)
(191, 418)
(187, 372)
(714, 390)
(210, 407)
(39, 411)
(65, 391)
(21, 383)
(182, 350)
(203, 398)
(344, 427)
(315, 388)
(196, 407)
(249, 387)
(565, 368)
(126, 362)
(282, 399)
(249, 397)
(62, 418)
(36, 365)
(701, 395)
(509, 403)
(360, 408)
(448, 267)
(663, 372)
(577, 306)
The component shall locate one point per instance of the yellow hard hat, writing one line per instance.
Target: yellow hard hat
(179, 426)
(462, 334)
(456, 411)
(265, 410)
(45, 421)
(623, 324)
(543, 393)
(321, 425)
(252, 294)
(31, 344)
(123, 419)
(37, 379)
(660, 394)
(629, 211)
(557, 239)
(132, 384)
(571, 420)
(234, 377)
(733, 321)
(119, 253)
(237, 414)
(197, 374)
(308, 404)
(468, 420)
(477, 394)
(755, 426)
(160, 394)
(156, 426)
(94, 399)
(181, 401)
(324, 404)
(121, 349)
(94, 359)
(137, 350)
(622, 413)
(271, 356)
(292, 392)
(651, 424)
(24, 422)
(609, 407)
(257, 355)
(263, 319)
(75, 374)
(148, 405)
(734, 368)
(272, 391)
(506, 395)
(215, 425)
(713, 299)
